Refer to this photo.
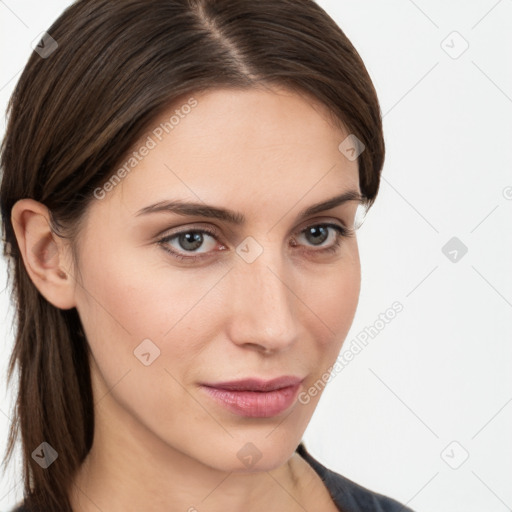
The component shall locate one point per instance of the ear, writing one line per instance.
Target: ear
(45, 255)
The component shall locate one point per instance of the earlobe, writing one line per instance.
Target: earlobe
(43, 253)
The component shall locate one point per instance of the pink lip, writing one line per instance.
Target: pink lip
(256, 398)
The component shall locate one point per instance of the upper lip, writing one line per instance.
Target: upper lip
(256, 384)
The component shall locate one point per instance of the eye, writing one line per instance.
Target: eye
(189, 241)
(192, 240)
(317, 234)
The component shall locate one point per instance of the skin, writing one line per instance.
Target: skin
(159, 439)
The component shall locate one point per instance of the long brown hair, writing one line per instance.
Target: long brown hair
(74, 114)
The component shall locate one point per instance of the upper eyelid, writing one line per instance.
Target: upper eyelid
(214, 230)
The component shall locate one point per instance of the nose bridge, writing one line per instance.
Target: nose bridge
(265, 312)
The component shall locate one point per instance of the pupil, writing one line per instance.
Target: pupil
(320, 234)
(194, 238)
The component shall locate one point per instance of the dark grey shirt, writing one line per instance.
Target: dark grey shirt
(349, 496)
(346, 494)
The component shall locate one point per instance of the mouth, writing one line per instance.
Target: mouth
(255, 398)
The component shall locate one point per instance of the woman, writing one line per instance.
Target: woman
(179, 198)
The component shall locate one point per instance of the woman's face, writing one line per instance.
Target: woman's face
(257, 294)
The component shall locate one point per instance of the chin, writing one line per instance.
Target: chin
(261, 450)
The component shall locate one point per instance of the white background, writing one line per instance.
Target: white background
(439, 372)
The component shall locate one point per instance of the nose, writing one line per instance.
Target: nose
(264, 306)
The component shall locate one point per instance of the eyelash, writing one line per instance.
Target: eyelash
(341, 232)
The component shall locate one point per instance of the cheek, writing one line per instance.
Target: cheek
(333, 296)
(121, 310)
(341, 299)
(126, 301)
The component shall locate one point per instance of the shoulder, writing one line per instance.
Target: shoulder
(348, 495)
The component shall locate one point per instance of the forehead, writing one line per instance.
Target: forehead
(248, 118)
(248, 148)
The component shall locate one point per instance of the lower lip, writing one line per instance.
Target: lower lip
(255, 404)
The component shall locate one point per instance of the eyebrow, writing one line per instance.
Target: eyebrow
(203, 210)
